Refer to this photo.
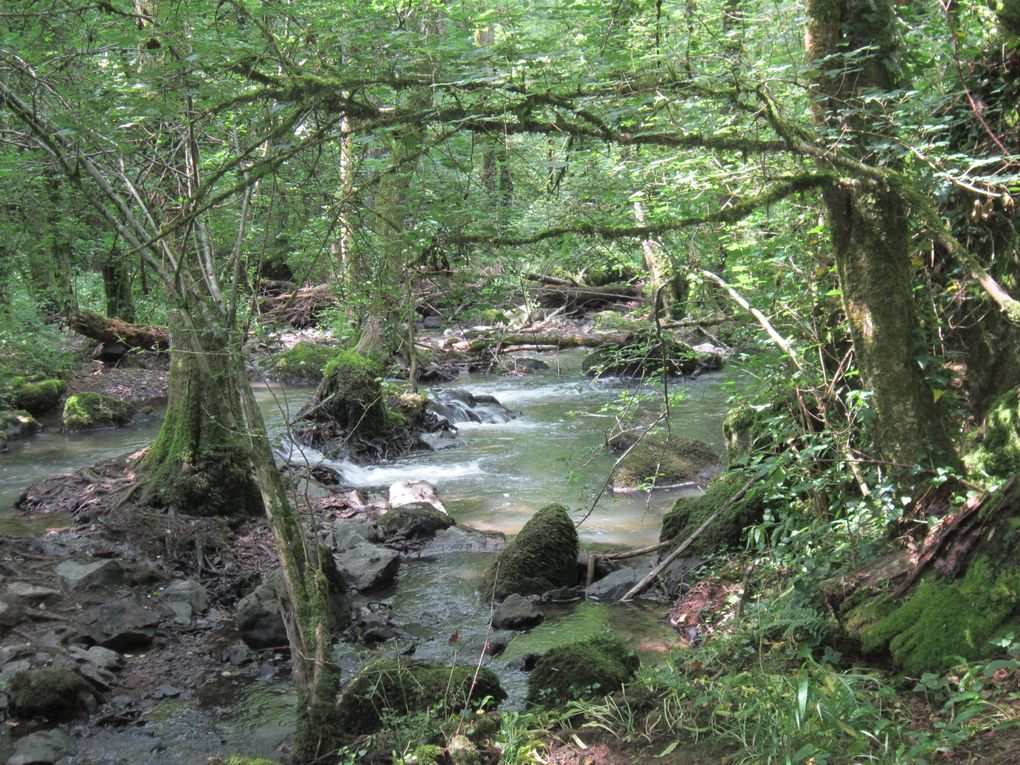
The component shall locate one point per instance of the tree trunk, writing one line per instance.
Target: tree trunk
(852, 45)
(120, 303)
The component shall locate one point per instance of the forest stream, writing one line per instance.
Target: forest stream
(494, 479)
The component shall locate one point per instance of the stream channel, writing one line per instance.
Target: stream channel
(496, 477)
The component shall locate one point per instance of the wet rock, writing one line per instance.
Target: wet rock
(185, 597)
(461, 539)
(563, 594)
(443, 439)
(52, 693)
(615, 585)
(594, 667)
(84, 576)
(16, 424)
(84, 411)
(419, 521)
(30, 593)
(669, 357)
(525, 364)
(122, 625)
(403, 493)
(42, 748)
(661, 459)
(453, 405)
(517, 613)
(603, 567)
(348, 532)
(367, 566)
(680, 574)
(238, 654)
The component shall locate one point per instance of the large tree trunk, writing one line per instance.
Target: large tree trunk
(852, 44)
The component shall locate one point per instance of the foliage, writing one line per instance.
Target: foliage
(594, 667)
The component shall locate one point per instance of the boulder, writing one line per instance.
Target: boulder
(462, 539)
(413, 522)
(302, 363)
(644, 359)
(367, 566)
(615, 585)
(258, 616)
(17, 423)
(414, 493)
(84, 576)
(122, 625)
(541, 557)
(727, 530)
(517, 613)
(348, 532)
(39, 397)
(52, 693)
(661, 459)
(185, 597)
(396, 687)
(585, 669)
(84, 411)
(44, 747)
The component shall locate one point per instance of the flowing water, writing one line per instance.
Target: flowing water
(495, 477)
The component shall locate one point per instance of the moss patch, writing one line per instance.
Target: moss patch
(350, 395)
(39, 397)
(643, 359)
(305, 362)
(594, 667)
(17, 423)
(942, 620)
(402, 687)
(998, 450)
(83, 411)
(661, 459)
(688, 513)
(541, 557)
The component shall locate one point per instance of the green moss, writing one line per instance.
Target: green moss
(39, 397)
(403, 687)
(688, 513)
(642, 359)
(83, 411)
(351, 395)
(304, 362)
(616, 321)
(942, 620)
(662, 458)
(541, 557)
(738, 430)
(998, 451)
(413, 522)
(594, 667)
(16, 423)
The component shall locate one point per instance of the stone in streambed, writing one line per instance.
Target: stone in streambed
(415, 493)
(84, 576)
(615, 585)
(517, 613)
(84, 411)
(42, 748)
(418, 521)
(51, 693)
(30, 593)
(122, 625)
(185, 597)
(367, 566)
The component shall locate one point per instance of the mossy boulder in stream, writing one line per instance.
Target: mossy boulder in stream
(401, 687)
(84, 411)
(305, 362)
(727, 530)
(662, 459)
(542, 557)
(38, 397)
(16, 423)
(585, 669)
(416, 521)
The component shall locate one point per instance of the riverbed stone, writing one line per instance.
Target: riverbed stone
(403, 493)
(348, 532)
(417, 521)
(17, 423)
(39, 397)
(615, 585)
(49, 692)
(97, 656)
(44, 747)
(84, 411)
(367, 566)
(584, 669)
(30, 593)
(661, 459)
(186, 591)
(122, 625)
(517, 613)
(85, 576)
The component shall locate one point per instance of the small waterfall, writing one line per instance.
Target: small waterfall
(456, 405)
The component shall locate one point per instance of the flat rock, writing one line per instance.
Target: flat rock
(367, 566)
(121, 625)
(415, 493)
(34, 593)
(349, 532)
(97, 656)
(615, 585)
(84, 576)
(463, 539)
(185, 597)
(42, 748)
(517, 613)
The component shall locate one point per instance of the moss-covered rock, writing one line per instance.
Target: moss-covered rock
(52, 693)
(661, 459)
(417, 521)
(402, 687)
(651, 357)
(83, 411)
(941, 620)
(305, 362)
(350, 396)
(542, 557)
(594, 667)
(614, 321)
(17, 423)
(998, 449)
(739, 427)
(688, 513)
(39, 397)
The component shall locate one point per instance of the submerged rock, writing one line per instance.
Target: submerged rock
(84, 411)
(453, 405)
(52, 693)
(541, 557)
(661, 459)
(585, 669)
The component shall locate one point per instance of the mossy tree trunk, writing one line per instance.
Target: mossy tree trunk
(852, 46)
(116, 274)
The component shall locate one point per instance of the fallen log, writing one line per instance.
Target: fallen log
(583, 299)
(548, 340)
(106, 330)
(298, 308)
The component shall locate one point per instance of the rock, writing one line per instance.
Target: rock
(414, 493)
(122, 625)
(258, 617)
(42, 748)
(348, 532)
(84, 576)
(33, 593)
(443, 439)
(660, 459)
(413, 522)
(111, 352)
(432, 322)
(526, 364)
(302, 363)
(17, 423)
(727, 530)
(517, 613)
(51, 693)
(594, 667)
(98, 656)
(541, 557)
(453, 405)
(615, 585)
(186, 591)
(84, 411)
(680, 573)
(643, 359)
(603, 567)
(100, 678)
(39, 397)
(367, 566)
(238, 654)
(462, 539)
